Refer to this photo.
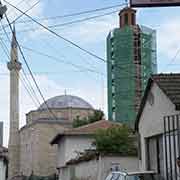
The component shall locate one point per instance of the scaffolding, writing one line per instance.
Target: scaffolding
(131, 55)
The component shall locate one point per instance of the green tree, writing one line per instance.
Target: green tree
(98, 115)
(117, 139)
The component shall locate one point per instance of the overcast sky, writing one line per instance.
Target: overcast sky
(55, 76)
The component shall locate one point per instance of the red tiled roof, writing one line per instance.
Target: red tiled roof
(88, 129)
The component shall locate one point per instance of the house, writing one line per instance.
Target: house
(3, 162)
(74, 160)
(158, 125)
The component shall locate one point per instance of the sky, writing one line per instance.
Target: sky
(70, 69)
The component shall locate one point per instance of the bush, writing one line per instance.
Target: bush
(117, 139)
(98, 115)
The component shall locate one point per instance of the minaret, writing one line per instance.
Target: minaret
(14, 67)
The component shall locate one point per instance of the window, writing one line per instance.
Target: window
(113, 89)
(150, 98)
(155, 155)
(113, 116)
(112, 75)
(113, 102)
(133, 19)
(126, 19)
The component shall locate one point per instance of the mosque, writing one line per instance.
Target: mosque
(29, 148)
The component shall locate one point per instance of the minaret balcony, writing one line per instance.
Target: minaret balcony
(14, 65)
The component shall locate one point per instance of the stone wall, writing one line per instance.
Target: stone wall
(97, 169)
(36, 153)
(3, 167)
(67, 114)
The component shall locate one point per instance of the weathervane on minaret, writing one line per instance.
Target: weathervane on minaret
(14, 67)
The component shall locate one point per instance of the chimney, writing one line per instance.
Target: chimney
(127, 17)
(1, 133)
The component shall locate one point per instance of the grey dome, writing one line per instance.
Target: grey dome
(65, 101)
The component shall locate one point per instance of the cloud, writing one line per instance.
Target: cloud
(91, 31)
(169, 37)
(37, 10)
(49, 89)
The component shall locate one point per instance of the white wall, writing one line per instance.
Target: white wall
(2, 170)
(151, 121)
(70, 145)
(97, 169)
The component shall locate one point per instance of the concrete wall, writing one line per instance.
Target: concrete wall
(151, 121)
(36, 153)
(97, 169)
(3, 168)
(69, 146)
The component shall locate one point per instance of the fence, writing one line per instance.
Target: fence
(171, 146)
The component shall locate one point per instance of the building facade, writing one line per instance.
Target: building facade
(158, 126)
(14, 67)
(29, 149)
(3, 163)
(77, 158)
(131, 59)
(37, 156)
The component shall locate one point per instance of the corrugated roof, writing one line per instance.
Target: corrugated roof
(169, 84)
(88, 129)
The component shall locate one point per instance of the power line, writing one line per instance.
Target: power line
(31, 88)
(75, 14)
(60, 60)
(5, 49)
(69, 23)
(61, 37)
(31, 74)
(25, 12)
(174, 57)
(30, 85)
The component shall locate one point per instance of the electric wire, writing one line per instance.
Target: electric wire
(57, 35)
(23, 71)
(74, 14)
(82, 68)
(35, 4)
(55, 26)
(24, 83)
(61, 37)
(31, 74)
(173, 58)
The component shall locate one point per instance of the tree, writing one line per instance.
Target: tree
(77, 122)
(98, 115)
(117, 139)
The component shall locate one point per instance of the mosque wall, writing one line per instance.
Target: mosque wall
(67, 114)
(37, 156)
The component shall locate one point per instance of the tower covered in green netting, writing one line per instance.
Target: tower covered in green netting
(131, 59)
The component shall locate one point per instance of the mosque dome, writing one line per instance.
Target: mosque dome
(65, 101)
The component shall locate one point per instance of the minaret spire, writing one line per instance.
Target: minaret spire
(14, 67)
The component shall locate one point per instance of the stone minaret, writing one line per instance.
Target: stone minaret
(14, 67)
